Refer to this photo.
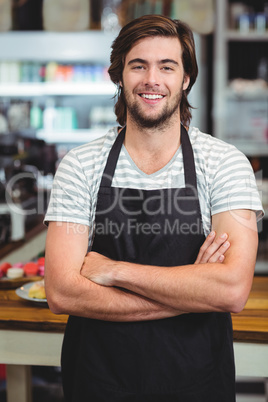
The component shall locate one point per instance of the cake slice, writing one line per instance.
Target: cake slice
(37, 290)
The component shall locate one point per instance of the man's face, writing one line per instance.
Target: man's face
(153, 80)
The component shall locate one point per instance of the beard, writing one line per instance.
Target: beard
(162, 120)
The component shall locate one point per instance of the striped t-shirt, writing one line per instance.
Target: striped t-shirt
(225, 179)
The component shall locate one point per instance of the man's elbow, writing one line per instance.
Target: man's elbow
(238, 302)
(55, 302)
(237, 296)
(54, 306)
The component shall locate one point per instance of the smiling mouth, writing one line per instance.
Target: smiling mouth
(150, 96)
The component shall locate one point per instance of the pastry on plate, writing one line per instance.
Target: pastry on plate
(37, 290)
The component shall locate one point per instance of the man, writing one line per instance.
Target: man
(149, 305)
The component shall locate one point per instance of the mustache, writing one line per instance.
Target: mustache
(151, 90)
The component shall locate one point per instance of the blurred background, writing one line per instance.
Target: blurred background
(55, 92)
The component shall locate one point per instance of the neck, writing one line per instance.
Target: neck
(152, 149)
(164, 139)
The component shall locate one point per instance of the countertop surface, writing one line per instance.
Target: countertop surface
(17, 313)
(251, 325)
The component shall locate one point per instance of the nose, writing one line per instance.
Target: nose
(152, 77)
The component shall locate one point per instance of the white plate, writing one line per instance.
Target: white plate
(24, 290)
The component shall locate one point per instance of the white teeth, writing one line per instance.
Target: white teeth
(147, 96)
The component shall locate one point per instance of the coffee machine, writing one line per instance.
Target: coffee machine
(25, 163)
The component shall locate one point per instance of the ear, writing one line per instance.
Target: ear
(186, 82)
(121, 84)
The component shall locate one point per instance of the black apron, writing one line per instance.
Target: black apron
(186, 358)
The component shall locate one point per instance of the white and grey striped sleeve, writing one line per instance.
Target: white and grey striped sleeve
(70, 199)
(233, 185)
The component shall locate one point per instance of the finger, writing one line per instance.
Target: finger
(221, 258)
(213, 248)
(220, 253)
(209, 240)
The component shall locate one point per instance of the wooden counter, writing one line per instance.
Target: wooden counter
(251, 325)
(251, 333)
(20, 314)
(31, 335)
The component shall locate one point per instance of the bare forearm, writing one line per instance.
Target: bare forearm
(199, 287)
(69, 292)
(191, 288)
(87, 299)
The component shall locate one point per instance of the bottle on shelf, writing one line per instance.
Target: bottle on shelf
(58, 118)
(36, 116)
(5, 15)
(27, 15)
(66, 15)
(262, 69)
(95, 14)
(49, 115)
(109, 17)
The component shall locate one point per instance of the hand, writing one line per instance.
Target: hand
(102, 270)
(213, 249)
(98, 269)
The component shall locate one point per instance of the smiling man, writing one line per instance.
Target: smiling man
(131, 254)
(164, 78)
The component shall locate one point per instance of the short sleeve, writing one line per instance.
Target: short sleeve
(70, 199)
(234, 185)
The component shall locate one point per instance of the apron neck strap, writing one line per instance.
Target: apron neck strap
(108, 174)
(188, 159)
(187, 152)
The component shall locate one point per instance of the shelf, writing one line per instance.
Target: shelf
(57, 46)
(249, 149)
(247, 94)
(57, 88)
(251, 36)
(71, 136)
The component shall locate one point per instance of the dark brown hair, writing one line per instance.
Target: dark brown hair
(144, 27)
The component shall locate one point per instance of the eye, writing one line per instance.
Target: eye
(139, 67)
(167, 68)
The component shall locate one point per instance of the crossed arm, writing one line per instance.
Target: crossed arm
(151, 292)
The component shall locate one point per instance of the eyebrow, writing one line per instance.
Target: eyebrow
(142, 61)
(169, 61)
